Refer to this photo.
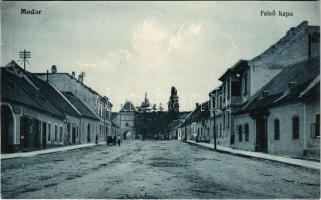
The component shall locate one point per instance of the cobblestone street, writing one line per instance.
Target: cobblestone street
(153, 169)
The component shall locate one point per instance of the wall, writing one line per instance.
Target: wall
(286, 144)
(65, 82)
(20, 111)
(312, 108)
(290, 49)
(244, 145)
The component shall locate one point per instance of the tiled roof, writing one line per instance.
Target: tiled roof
(18, 90)
(128, 107)
(80, 106)
(52, 94)
(277, 90)
(202, 112)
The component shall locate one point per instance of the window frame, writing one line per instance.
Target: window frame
(295, 127)
(276, 129)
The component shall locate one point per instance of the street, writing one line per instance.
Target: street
(153, 169)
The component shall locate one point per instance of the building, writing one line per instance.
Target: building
(71, 130)
(98, 104)
(125, 120)
(171, 131)
(196, 125)
(82, 133)
(247, 77)
(28, 119)
(283, 117)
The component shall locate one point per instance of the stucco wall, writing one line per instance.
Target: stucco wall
(244, 145)
(292, 48)
(20, 111)
(312, 108)
(286, 144)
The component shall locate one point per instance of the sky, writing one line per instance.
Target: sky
(128, 49)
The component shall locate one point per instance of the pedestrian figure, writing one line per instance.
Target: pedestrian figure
(114, 140)
(118, 140)
(96, 139)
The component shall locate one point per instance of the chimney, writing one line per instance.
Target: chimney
(80, 78)
(47, 74)
(291, 84)
(73, 74)
(54, 69)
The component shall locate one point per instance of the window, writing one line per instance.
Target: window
(296, 127)
(60, 134)
(56, 132)
(49, 131)
(277, 129)
(236, 88)
(240, 133)
(126, 124)
(228, 87)
(245, 84)
(317, 126)
(246, 131)
(223, 120)
(228, 120)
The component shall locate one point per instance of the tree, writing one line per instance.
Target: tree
(154, 107)
(173, 105)
(160, 108)
(145, 106)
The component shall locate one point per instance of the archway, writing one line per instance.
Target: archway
(127, 135)
(7, 128)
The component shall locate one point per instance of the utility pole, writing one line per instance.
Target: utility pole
(24, 55)
(214, 129)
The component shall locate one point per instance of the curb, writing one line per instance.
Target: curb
(55, 150)
(248, 156)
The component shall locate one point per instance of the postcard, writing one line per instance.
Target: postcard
(160, 100)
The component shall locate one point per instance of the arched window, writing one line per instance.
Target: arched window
(277, 129)
(240, 132)
(296, 127)
(246, 131)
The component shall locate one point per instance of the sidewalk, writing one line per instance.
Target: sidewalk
(46, 151)
(250, 154)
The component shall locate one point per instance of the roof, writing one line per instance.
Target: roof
(128, 107)
(182, 115)
(18, 90)
(277, 91)
(72, 77)
(202, 112)
(114, 115)
(79, 105)
(53, 95)
(238, 66)
(114, 124)
(173, 125)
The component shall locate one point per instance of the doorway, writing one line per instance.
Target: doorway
(6, 128)
(73, 135)
(261, 134)
(44, 135)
